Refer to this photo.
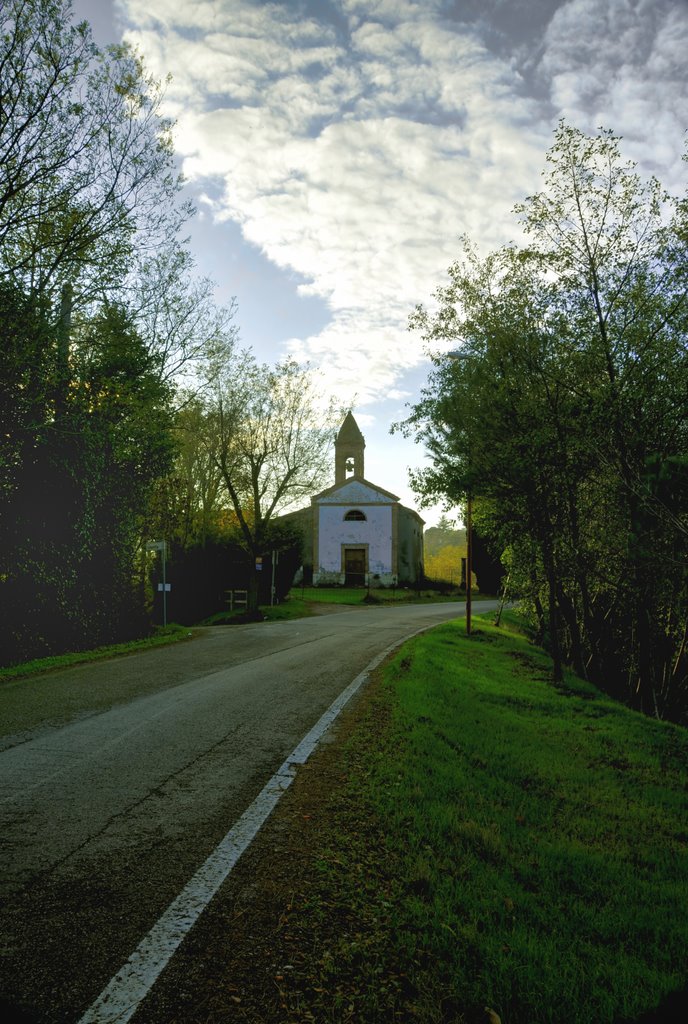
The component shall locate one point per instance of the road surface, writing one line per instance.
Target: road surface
(118, 779)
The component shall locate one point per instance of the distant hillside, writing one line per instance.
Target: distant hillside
(444, 549)
(438, 537)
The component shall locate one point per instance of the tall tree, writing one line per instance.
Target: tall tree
(270, 437)
(568, 406)
(99, 317)
(69, 525)
(86, 161)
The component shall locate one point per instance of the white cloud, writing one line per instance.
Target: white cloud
(358, 159)
(621, 64)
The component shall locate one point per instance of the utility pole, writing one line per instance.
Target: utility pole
(469, 561)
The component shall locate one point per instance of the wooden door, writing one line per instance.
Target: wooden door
(354, 567)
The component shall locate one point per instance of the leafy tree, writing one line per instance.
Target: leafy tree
(99, 317)
(175, 313)
(445, 563)
(70, 524)
(86, 162)
(567, 406)
(269, 436)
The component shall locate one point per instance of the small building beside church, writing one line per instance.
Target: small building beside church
(357, 533)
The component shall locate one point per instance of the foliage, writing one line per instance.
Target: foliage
(264, 432)
(100, 318)
(69, 521)
(86, 163)
(445, 563)
(564, 412)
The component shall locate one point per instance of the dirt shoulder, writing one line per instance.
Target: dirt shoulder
(266, 951)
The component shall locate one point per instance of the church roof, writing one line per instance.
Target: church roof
(349, 432)
(353, 488)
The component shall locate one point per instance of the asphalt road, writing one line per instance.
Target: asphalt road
(119, 778)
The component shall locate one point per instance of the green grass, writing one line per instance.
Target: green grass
(501, 842)
(296, 604)
(163, 635)
(291, 608)
(379, 595)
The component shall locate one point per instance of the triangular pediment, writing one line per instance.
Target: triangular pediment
(355, 491)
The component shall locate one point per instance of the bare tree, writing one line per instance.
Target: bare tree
(270, 436)
(175, 313)
(86, 161)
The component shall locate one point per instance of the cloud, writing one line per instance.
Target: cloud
(621, 64)
(356, 151)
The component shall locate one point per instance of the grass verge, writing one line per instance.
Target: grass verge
(298, 603)
(163, 635)
(291, 608)
(379, 595)
(487, 839)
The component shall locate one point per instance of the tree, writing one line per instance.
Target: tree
(69, 528)
(269, 436)
(176, 314)
(99, 317)
(86, 161)
(568, 403)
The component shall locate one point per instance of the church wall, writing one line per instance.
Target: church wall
(375, 533)
(410, 546)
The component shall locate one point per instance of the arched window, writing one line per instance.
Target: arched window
(354, 515)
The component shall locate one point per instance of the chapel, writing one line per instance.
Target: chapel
(356, 533)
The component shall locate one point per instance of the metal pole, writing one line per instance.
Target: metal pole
(275, 558)
(164, 585)
(469, 560)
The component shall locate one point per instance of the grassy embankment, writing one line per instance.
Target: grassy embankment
(499, 842)
(163, 635)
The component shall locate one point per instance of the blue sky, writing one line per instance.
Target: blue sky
(337, 150)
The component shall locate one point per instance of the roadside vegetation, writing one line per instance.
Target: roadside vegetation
(162, 636)
(299, 602)
(558, 401)
(128, 413)
(488, 838)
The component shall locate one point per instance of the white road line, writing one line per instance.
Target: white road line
(121, 998)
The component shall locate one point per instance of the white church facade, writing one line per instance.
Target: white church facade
(357, 533)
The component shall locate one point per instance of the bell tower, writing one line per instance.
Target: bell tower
(348, 451)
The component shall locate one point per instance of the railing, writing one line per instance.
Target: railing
(237, 599)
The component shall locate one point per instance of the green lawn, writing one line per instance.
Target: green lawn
(501, 842)
(356, 595)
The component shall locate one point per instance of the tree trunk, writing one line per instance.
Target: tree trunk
(568, 610)
(253, 589)
(64, 328)
(555, 649)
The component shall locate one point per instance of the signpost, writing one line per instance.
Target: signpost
(165, 587)
(275, 560)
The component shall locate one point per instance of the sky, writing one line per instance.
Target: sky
(337, 150)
